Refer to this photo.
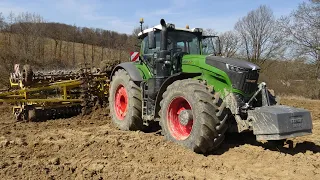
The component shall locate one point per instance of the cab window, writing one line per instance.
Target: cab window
(188, 42)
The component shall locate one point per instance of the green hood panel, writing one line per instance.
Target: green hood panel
(214, 76)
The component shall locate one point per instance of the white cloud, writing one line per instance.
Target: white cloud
(73, 6)
(88, 11)
(219, 24)
(157, 12)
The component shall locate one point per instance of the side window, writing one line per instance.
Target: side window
(183, 46)
(180, 45)
(143, 46)
(157, 34)
(146, 44)
(194, 46)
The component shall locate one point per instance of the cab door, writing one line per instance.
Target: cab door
(149, 55)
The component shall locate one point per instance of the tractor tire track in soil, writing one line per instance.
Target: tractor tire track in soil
(91, 147)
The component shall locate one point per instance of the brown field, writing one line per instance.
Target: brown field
(90, 147)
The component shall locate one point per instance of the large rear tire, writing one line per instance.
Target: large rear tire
(125, 102)
(204, 130)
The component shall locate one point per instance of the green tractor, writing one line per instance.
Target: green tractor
(182, 81)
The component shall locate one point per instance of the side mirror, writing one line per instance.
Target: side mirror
(152, 40)
(218, 46)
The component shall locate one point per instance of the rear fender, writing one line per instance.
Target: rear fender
(131, 69)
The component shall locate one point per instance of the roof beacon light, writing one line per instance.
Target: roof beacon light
(187, 26)
(141, 20)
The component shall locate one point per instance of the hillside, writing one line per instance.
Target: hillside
(27, 38)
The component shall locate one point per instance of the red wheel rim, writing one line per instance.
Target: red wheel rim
(177, 130)
(121, 102)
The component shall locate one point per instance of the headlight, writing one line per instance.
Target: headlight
(236, 68)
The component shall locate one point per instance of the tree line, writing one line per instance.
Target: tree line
(260, 36)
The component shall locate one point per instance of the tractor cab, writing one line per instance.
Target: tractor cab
(191, 41)
(182, 40)
(179, 42)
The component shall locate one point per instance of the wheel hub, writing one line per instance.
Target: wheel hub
(179, 118)
(121, 102)
(185, 117)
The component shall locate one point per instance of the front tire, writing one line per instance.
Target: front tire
(125, 102)
(204, 130)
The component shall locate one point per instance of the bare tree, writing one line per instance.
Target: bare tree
(27, 38)
(210, 32)
(303, 27)
(104, 42)
(2, 22)
(9, 30)
(260, 35)
(230, 43)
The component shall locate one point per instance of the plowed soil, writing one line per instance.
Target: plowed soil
(91, 147)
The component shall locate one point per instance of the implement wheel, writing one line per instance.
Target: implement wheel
(125, 102)
(27, 75)
(32, 115)
(193, 116)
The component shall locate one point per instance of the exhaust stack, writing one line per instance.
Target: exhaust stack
(164, 35)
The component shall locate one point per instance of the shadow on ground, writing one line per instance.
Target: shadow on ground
(235, 140)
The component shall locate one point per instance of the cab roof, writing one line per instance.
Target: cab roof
(169, 26)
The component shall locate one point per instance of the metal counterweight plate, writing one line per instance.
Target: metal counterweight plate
(280, 122)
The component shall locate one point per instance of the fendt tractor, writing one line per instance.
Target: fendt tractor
(182, 81)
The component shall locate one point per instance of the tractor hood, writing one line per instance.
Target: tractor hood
(243, 74)
(223, 62)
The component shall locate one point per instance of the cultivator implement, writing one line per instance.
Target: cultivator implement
(55, 94)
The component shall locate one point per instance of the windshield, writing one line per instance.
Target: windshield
(187, 42)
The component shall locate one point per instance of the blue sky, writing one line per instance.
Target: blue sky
(123, 16)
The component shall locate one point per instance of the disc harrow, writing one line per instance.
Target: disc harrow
(41, 95)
